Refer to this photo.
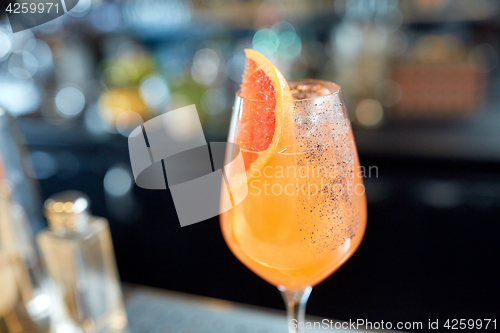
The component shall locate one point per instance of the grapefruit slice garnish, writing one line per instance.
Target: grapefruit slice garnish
(265, 125)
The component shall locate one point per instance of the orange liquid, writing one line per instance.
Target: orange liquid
(289, 230)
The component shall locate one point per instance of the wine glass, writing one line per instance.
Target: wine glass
(305, 211)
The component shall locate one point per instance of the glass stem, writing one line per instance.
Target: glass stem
(295, 302)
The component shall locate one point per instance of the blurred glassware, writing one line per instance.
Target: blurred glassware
(396, 72)
(360, 55)
(448, 11)
(440, 78)
(16, 168)
(25, 302)
(78, 252)
(23, 58)
(25, 305)
(154, 18)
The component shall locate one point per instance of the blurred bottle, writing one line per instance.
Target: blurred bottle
(78, 253)
(25, 305)
(16, 168)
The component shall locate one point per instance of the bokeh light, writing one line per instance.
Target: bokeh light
(266, 41)
(70, 101)
(369, 113)
(5, 45)
(127, 121)
(113, 102)
(347, 40)
(23, 65)
(213, 101)
(94, 123)
(118, 180)
(44, 165)
(19, 39)
(19, 96)
(106, 17)
(41, 52)
(205, 66)
(127, 65)
(154, 91)
(290, 43)
(280, 42)
(235, 67)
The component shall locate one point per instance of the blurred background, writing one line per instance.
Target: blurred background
(422, 86)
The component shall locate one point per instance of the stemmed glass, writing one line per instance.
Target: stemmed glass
(304, 214)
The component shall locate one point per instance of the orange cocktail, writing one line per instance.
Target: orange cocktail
(305, 211)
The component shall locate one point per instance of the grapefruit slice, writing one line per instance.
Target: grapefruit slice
(265, 125)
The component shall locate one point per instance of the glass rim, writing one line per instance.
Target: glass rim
(332, 86)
